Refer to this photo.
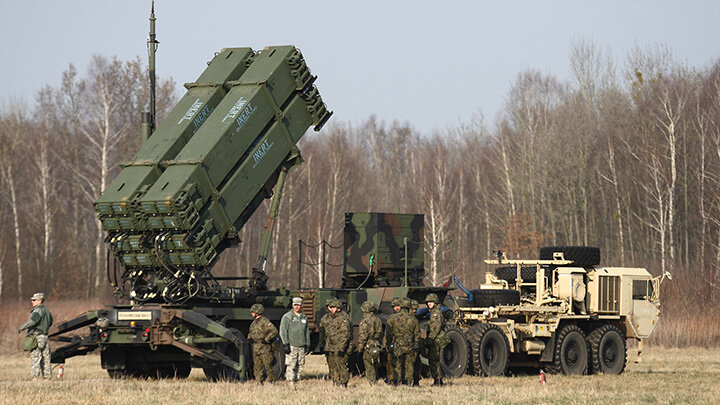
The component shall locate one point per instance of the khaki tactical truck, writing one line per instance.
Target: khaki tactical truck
(564, 313)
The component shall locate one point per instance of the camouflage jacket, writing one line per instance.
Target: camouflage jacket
(262, 334)
(370, 331)
(435, 323)
(336, 331)
(40, 321)
(403, 333)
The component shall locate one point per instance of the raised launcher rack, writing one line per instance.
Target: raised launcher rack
(207, 168)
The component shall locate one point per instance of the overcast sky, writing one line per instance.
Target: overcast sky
(431, 63)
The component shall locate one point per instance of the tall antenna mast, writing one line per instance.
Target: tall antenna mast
(152, 47)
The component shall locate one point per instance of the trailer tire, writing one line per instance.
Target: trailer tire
(494, 297)
(528, 274)
(608, 351)
(224, 373)
(571, 352)
(454, 357)
(490, 349)
(583, 256)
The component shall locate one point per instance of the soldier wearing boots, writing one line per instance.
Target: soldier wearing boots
(404, 334)
(370, 333)
(336, 332)
(38, 325)
(435, 326)
(390, 364)
(262, 335)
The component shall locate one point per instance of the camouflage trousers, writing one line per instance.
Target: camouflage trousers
(371, 365)
(405, 367)
(390, 367)
(338, 367)
(294, 363)
(262, 364)
(434, 360)
(40, 359)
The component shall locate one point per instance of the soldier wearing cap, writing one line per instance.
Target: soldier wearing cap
(390, 366)
(336, 332)
(295, 335)
(262, 335)
(38, 325)
(404, 333)
(369, 336)
(434, 325)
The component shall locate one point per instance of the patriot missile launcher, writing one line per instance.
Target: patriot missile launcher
(205, 170)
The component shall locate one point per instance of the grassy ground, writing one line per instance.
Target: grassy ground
(664, 376)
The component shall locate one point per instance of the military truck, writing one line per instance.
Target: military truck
(564, 313)
(178, 204)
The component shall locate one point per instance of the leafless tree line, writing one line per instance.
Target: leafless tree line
(625, 157)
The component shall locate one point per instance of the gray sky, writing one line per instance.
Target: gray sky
(431, 63)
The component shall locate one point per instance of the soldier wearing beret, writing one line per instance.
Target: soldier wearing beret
(38, 325)
(262, 334)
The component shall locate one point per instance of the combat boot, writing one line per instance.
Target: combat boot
(438, 381)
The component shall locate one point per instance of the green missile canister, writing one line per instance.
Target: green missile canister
(116, 205)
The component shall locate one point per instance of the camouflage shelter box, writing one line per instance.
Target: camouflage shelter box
(375, 249)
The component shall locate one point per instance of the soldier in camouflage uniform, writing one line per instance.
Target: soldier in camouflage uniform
(369, 336)
(262, 335)
(39, 323)
(336, 332)
(434, 325)
(417, 368)
(404, 334)
(390, 365)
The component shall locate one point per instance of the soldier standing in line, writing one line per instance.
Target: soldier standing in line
(404, 333)
(336, 332)
(390, 366)
(417, 367)
(38, 325)
(369, 335)
(295, 335)
(435, 326)
(262, 334)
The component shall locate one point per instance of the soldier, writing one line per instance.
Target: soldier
(262, 334)
(390, 366)
(369, 335)
(295, 335)
(435, 325)
(38, 325)
(336, 332)
(404, 333)
(417, 367)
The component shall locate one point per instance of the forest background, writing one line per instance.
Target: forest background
(624, 156)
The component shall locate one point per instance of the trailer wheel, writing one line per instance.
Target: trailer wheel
(583, 256)
(493, 297)
(571, 352)
(528, 274)
(608, 352)
(454, 356)
(490, 349)
(224, 373)
(279, 361)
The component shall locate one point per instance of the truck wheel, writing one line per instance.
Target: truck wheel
(528, 274)
(608, 352)
(224, 373)
(493, 297)
(571, 352)
(454, 356)
(583, 256)
(279, 362)
(490, 349)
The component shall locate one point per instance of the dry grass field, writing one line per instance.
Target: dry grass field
(665, 376)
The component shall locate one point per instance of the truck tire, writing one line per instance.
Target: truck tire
(528, 274)
(490, 349)
(608, 352)
(583, 256)
(454, 357)
(224, 373)
(571, 352)
(279, 362)
(494, 297)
